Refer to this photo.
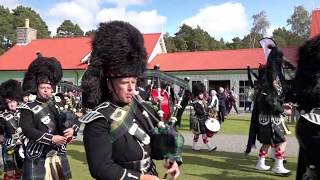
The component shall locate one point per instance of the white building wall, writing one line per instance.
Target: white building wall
(158, 49)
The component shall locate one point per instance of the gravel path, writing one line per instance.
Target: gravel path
(231, 143)
(237, 143)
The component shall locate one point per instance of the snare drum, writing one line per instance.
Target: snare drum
(212, 126)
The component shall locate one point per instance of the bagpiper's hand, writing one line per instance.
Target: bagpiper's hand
(59, 140)
(287, 109)
(173, 168)
(148, 177)
(1, 139)
(18, 142)
(68, 132)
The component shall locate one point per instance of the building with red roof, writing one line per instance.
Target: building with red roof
(315, 23)
(226, 68)
(73, 53)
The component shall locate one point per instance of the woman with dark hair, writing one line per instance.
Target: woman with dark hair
(117, 134)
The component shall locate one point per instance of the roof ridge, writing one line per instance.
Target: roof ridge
(224, 50)
(151, 33)
(59, 38)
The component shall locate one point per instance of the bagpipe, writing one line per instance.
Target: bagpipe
(64, 117)
(166, 141)
(71, 103)
(161, 93)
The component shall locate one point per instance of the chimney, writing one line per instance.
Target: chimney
(27, 23)
(26, 34)
(315, 23)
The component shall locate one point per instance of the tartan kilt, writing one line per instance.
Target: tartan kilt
(270, 129)
(10, 161)
(199, 126)
(33, 169)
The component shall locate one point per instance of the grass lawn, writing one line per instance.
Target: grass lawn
(234, 124)
(197, 166)
(201, 165)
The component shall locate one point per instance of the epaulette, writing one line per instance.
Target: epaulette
(94, 114)
(313, 116)
(57, 99)
(23, 106)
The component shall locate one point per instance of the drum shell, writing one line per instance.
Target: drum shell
(212, 126)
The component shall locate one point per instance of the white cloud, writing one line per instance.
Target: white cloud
(88, 14)
(79, 11)
(125, 3)
(219, 19)
(11, 4)
(145, 21)
(271, 29)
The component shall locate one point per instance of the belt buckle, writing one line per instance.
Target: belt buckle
(15, 136)
(145, 165)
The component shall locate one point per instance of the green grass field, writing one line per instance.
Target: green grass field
(197, 166)
(201, 165)
(234, 124)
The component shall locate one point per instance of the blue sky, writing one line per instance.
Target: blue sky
(226, 19)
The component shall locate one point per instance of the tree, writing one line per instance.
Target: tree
(249, 42)
(7, 32)
(260, 26)
(195, 39)
(300, 22)
(21, 13)
(199, 40)
(68, 29)
(286, 38)
(180, 44)
(184, 34)
(91, 32)
(169, 41)
(236, 43)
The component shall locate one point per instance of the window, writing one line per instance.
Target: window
(242, 89)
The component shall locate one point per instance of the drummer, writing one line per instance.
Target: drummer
(201, 115)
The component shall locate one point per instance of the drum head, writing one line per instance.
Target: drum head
(212, 125)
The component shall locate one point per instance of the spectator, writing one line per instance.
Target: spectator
(213, 103)
(222, 104)
(248, 98)
(233, 98)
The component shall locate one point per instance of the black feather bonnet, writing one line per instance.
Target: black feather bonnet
(11, 89)
(307, 78)
(117, 51)
(42, 70)
(198, 88)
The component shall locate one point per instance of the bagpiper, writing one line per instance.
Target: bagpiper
(118, 131)
(46, 129)
(272, 110)
(10, 129)
(307, 95)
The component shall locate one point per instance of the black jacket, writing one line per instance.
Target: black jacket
(105, 158)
